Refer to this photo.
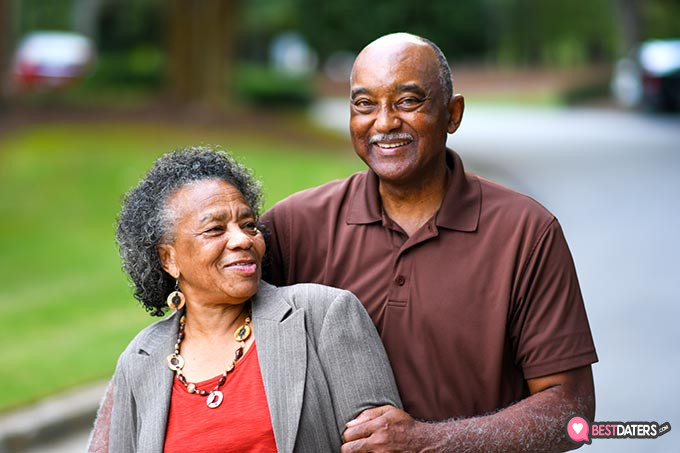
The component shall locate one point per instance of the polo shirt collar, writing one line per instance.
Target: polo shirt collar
(365, 205)
(460, 208)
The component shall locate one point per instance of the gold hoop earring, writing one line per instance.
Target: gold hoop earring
(176, 299)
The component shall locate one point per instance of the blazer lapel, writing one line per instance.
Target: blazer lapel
(282, 351)
(155, 383)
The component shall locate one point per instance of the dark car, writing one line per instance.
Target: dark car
(650, 76)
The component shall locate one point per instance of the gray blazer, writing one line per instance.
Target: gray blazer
(321, 359)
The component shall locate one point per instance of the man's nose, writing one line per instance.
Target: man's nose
(387, 120)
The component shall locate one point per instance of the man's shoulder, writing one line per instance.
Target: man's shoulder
(498, 199)
(323, 196)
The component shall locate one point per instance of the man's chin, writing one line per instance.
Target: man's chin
(391, 173)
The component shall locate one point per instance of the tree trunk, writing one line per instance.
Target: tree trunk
(199, 41)
(5, 50)
(629, 13)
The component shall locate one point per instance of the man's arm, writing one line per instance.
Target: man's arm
(99, 437)
(537, 423)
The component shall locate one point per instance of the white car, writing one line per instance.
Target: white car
(650, 76)
(51, 59)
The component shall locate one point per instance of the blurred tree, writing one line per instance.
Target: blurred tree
(200, 43)
(44, 15)
(552, 32)
(122, 25)
(650, 19)
(4, 45)
(661, 19)
(457, 27)
(261, 21)
(630, 20)
(529, 32)
(85, 14)
(5, 37)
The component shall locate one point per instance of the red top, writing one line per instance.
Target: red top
(241, 423)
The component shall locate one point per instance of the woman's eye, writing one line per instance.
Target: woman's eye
(213, 230)
(251, 227)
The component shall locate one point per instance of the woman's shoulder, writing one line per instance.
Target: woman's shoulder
(153, 336)
(320, 304)
(310, 295)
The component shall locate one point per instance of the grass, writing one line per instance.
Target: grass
(66, 311)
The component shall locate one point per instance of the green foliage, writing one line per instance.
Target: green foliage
(65, 306)
(552, 32)
(128, 24)
(266, 87)
(661, 19)
(43, 15)
(457, 27)
(139, 67)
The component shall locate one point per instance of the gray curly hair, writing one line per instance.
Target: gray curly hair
(145, 220)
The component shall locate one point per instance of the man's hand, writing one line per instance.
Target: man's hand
(386, 429)
(535, 423)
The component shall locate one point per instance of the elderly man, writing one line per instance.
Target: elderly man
(471, 285)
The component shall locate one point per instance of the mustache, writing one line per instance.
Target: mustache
(385, 137)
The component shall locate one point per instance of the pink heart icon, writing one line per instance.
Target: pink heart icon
(578, 429)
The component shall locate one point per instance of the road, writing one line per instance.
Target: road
(612, 179)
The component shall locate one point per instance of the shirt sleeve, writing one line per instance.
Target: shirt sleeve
(274, 227)
(354, 361)
(549, 328)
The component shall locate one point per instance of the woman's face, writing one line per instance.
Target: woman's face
(217, 252)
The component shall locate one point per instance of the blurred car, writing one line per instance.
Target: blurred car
(51, 59)
(650, 76)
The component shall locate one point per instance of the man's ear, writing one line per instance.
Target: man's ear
(455, 107)
(166, 252)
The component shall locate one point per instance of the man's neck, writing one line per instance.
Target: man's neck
(411, 206)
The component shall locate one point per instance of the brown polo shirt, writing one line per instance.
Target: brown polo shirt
(481, 298)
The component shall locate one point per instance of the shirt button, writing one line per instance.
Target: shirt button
(400, 280)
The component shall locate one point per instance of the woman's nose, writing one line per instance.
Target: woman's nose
(239, 239)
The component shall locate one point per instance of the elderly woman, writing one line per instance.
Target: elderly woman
(241, 365)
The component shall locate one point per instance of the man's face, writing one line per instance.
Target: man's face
(399, 117)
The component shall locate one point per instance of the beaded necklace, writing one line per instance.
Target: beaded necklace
(176, 362)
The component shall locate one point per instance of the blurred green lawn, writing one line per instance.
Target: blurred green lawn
(66, 310)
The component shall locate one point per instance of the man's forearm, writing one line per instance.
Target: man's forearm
(537, 423)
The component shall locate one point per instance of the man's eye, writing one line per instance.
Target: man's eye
(363, 104)
(410, 102)
(214, 230)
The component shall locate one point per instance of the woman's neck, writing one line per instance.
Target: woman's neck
(213, 321)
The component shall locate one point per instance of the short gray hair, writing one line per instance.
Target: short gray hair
(445, 78)
(145, 222)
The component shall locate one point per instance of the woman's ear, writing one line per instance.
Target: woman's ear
(166, 253)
